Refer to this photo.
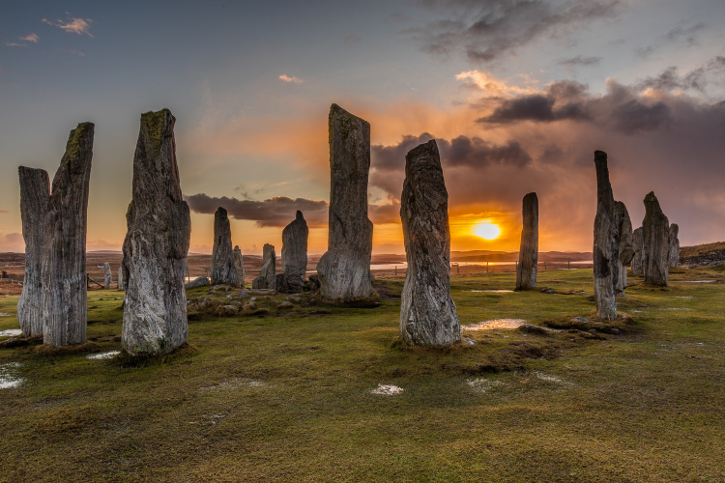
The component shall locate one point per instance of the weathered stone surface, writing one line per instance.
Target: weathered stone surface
(344, 270)
(656, 238)
(239, 264)
(156, 245)
(197, 282)
(315, 282)
(280, 283)
(638, 249)
(529, 252)
(107, 277)
(626, 248)
(606, 243)
(121, 285)
(65, 300)
(427, 311)
(34, 197)
(266, 278)
(674, 245)
(294, 253)
(223, 266)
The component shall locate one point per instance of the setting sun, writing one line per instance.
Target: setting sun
(486, 230)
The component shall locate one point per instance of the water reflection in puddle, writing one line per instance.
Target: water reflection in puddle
(496, 324)
(699, 281)
(489, 291)
(9, 377)
(3, 314)
(482, 385)
(103, 355)
(10, 333)
(387, 390)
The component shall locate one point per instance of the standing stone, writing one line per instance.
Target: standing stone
(626, 248)
(266, 278)
(65, 300)
(344, 270)
(223, 267)
(656, 237)
(239, 264)
(674, 245)
(606, 243)
(294, 253)
(427, 311)
(638, 248)
(107, 277)
(529, 252)
(156, 245)
(121, 285)
(34, 196)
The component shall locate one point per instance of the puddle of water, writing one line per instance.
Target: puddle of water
(103, 355)
(547, 378)
(489, 291)
(3, 314)
(482, 385)
(11, 333)
(235, 384)
(8, 375)
(675, 308)
(699, 281)
(496, 324)
(683, 297)
(387, 390)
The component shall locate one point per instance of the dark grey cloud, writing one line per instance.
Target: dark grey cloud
(679, 34)
(487, 30)
(711, 72)
(583, 61)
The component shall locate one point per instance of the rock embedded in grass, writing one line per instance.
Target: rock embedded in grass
(156, 245)
(427, 311)
(223, 264)
(529, 252)
(294, 253)
(606, 242)
(198, 282)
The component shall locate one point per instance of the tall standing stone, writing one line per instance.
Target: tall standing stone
(344, 270)
(34, 196)
(223, 267)
(656, 237)
(121, 285)
(626, 248)
(107, 277)
(606, 243)
(294, 253)
(529, 252)
(65, 300)
(156, 245)
(674, 245)
(638, 256)
(427, 311)
(239, 264)
(267, 276)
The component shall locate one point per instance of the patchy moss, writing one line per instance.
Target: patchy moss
(155, 123)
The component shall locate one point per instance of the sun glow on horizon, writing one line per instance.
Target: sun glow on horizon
(486, 230)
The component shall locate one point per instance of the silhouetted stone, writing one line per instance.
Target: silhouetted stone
(294, 253)
(156, 245)
(344, 270)
(266, 278)
(427, 311)
(107, 277)
(198, 282)
(638, 249)
(65, 301)
(626, 249)
(529, 252)
(239, 264)
(121, 285)
(606, 243)
(34, 197)
(656, 237)
(674, 245)
(223, 266)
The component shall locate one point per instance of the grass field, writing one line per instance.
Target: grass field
(289, 396)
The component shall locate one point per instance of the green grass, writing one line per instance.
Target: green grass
(287, 397)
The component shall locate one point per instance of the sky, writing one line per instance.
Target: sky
(517, 93)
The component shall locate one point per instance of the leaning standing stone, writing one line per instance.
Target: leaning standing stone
(606, 243)
(223, 267)
(34, 196)
(626, 248)
(344, 270)
(294, 253)
(239, 264)
(656, 237)
(529, 253)
(156, 245)
(674, 245)
(65, 300)
(638, 256)
(266, 278)
(107, 277)
(427, 312)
